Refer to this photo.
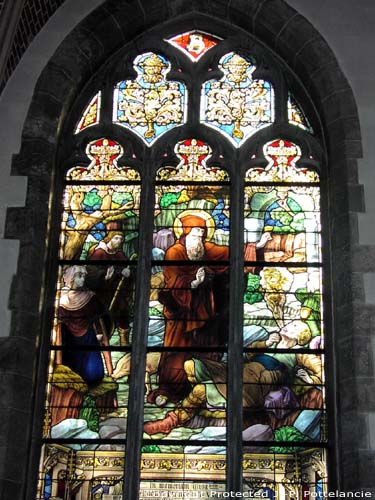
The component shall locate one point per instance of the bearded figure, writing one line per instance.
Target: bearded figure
(195, 299)
(113, 285)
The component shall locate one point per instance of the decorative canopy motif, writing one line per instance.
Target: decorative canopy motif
(91, 115)
(194, 44)
(150, 105)
(104, 154)
(296, 116)
(237, 104)
(194, 155)
(283, 156)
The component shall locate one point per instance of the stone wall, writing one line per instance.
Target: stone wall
(350, 323)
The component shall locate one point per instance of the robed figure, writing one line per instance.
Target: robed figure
(195, 299)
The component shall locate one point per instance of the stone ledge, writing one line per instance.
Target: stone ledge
(363, 258)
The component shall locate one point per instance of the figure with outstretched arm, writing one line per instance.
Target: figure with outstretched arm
(82, 323)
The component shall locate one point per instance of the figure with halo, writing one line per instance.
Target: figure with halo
(195, 301)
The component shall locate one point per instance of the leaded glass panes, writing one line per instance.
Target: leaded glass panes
(280, 472)
(91, 115)
(168, 474)
(194, 44)
(150, 105)
(237, 105)
(296, 116)
(86, 401)
(188, 325)
(180, 322)
(283, 371)
(87, 471)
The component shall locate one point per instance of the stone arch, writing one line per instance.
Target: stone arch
(80, 55)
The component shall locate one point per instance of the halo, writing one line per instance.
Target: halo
(210, 223)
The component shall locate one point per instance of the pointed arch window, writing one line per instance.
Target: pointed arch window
(189, 307)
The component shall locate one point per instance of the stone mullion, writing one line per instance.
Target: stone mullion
(235, 361)
(139, 343)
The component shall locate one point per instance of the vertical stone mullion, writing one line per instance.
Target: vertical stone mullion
(139, 343)
(234, 391)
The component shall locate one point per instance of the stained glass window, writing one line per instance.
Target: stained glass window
(238, 105)
(283, 373)
(91, 115)
(150, 105)
(87, 393)
(163, 292)
(296, 116)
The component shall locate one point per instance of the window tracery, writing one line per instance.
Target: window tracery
(91, 115)
(237, 105)
(150, 105)
(186, 417)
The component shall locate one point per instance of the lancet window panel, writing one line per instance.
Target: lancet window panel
(283, 372)
(169, 242)
(188, 325)
(87, 394)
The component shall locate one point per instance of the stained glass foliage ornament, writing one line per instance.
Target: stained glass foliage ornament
(296, 116)
(104, 154)
(237, 105)
(150, 105)
(194, 44)
(91, 115)
(194, 155)
(282, 156)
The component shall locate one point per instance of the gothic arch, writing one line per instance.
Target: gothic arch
(82, 53)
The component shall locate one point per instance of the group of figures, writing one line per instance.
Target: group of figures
(186, 369)
(189, 287)
(283, 381)
(281, 316)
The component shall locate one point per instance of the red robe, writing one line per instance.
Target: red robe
(101, 254)
(191, 315)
